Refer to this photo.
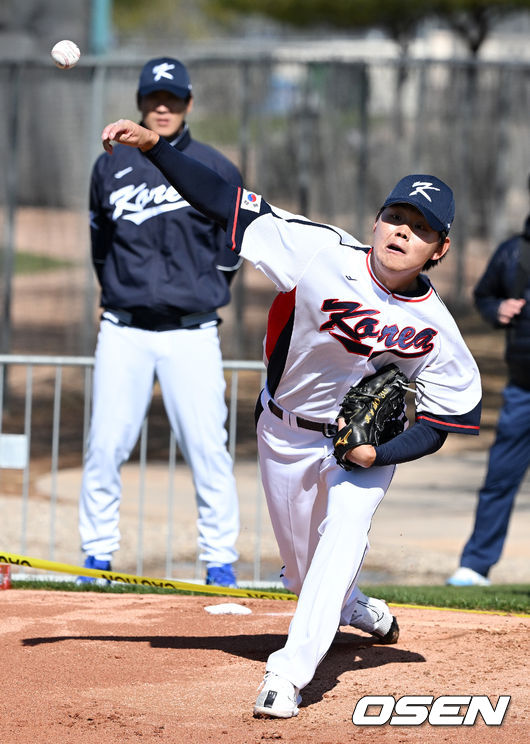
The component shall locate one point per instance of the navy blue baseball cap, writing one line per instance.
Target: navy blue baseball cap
(164, 73)
(432, 197)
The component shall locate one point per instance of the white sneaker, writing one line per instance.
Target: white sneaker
(278, 697)
(467, 577)
(373, 616)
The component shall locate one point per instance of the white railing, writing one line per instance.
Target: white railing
(44, 420)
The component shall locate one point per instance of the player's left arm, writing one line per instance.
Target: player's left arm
(448, 400)
(417, 441)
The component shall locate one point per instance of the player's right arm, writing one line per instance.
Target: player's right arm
(282, 246)
(203, 188)
(492, 293)
(509, 308)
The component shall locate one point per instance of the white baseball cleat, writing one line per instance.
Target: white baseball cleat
(467, 577)
(278, 697)
(374, 617)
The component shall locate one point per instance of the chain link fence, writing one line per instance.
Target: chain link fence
(324, 138)
(43, 436)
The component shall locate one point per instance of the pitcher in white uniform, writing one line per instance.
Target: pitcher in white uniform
(344, 310)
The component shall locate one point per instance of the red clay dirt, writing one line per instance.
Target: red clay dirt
(87, 668)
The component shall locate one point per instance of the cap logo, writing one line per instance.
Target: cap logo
(419, 187)
(162, 71)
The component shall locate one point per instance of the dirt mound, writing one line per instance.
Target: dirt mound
(109, 669)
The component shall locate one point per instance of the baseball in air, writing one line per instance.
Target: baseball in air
(65, 54)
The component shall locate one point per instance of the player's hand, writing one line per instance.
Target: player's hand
(508, 309)
(127, 132)
(363, 455)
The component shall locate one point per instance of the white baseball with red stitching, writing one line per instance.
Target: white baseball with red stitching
(65, 54)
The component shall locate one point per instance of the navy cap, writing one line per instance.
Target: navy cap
(164, 73)
(432, 197)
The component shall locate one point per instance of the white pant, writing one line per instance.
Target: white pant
(188, 366)
(321, 515)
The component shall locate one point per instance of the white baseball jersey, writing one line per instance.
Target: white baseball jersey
(333, 323)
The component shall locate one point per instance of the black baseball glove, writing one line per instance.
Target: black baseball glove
(374, 411)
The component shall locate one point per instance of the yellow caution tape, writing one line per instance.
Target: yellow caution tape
(459, 609)
(26, 561)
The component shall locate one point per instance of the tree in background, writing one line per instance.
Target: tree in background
(183, 21)
(473, 20)
(401, 20)
(171, 23)
(398, 19)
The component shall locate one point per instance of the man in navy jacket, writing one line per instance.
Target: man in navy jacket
(502, 297)
(164, 271)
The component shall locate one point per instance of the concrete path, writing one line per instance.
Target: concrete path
(416, 537)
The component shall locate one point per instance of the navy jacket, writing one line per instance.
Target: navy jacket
(497, 284)
(150, 248)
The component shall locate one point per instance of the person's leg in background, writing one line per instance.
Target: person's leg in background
(509, 459)
(123, 383)
(189, 369)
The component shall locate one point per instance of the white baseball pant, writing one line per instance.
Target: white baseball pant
(188, 366)
(321, 515)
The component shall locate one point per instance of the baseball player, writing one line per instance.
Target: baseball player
(164, 269)
(344, 310)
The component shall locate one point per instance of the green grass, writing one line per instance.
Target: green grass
(115, 588)
(511, 598)
(31, 263)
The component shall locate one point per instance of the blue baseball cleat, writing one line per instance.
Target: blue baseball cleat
(91, 562)
(221, 574)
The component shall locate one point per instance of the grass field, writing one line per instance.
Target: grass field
(30, 263)
(505, 598)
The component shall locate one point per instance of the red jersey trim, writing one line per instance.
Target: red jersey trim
(444, 423)
(279, 313)
(402, 298)
(236, 215)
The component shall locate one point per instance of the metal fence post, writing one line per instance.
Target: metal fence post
(55, 456)
(25, 481)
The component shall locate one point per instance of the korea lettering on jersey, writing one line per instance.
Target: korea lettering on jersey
(149, 247)
(140, 203)
(333, 323)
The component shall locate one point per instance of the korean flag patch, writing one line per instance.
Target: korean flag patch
(251, 201)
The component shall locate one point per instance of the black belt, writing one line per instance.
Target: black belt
(328, 430)
(148, 320)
